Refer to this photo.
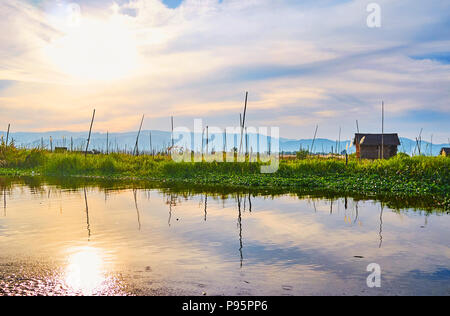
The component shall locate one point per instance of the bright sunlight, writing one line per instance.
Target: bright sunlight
(94, 49)
(85, 271)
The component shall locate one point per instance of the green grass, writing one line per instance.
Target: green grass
(413, 177)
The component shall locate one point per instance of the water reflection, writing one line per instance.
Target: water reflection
(240, 229)
(137, 209)
(208, 242)
(4, 201)
(88, 227)
(85, 272)
(206, 206)
(381, 226)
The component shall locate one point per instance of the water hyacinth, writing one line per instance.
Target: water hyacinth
(400, 176)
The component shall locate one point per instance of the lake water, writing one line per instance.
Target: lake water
(111, 239)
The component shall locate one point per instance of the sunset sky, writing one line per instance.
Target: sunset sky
(303, 62)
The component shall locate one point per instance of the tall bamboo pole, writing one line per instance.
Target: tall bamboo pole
(89, 137)
(172, 132)
(382, 130)
(151, 145)
(314, 139)
(207, 140)
(7, 135)
(136, 146)
(243, 120)
(339, 144)
(358, 145)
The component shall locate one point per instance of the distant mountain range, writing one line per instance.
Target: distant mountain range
(160, 140)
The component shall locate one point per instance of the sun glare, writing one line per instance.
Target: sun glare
(94, 50)
(84, 272)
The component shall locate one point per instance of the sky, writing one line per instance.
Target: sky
(304, 63)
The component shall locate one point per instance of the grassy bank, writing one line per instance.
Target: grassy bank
(419, 177)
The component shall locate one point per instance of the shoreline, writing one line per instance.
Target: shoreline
(394, 193)
(401, 177)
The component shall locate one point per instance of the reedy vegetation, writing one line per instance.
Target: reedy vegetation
(427, 177)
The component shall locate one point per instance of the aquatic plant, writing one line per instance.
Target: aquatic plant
(400, 176)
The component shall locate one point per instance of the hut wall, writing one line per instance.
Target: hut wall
(373, 152)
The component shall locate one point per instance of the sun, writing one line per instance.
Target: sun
(95, 50)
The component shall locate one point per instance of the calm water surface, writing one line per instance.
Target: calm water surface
(105, 241)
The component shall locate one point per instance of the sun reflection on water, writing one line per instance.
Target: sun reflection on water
(85, 272)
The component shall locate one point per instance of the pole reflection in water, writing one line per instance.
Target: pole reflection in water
(137, 209)
(357, 213)
(87, 215)
(206, 206)
(381, 226)
(240, 229)
(4, 201)
(172, 202)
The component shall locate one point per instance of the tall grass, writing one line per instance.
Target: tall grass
(437, 168)
(12, 157)
(401, 175)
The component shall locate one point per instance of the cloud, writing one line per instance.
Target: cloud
(304, 63)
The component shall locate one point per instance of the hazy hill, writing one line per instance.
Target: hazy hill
(161, 140)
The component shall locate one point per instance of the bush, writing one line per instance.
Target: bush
(107, 165)
(35, 158)
(402, 155)
(302, 154)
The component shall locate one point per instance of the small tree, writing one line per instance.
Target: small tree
(302, 154)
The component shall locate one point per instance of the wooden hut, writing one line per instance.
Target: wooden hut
(445, 152)
(369, 146)
(60, 149)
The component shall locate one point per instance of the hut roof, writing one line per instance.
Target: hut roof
(377, 139)
(446, 150)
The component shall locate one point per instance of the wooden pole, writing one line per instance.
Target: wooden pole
(358, 145)
(240, 125)
(243, 119)
(203, 143)
(419, 142)
(107, 142)
(225, 145)
(431, 146)
(172, 132)
(207, 140)
(89, 137)
(382, 130)
(417, 146)
(258, 149)
(136, 146)
(7, 135)
(339, 150)
(314, 139)
(225, 140)
(151, 145)
(246, 142)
